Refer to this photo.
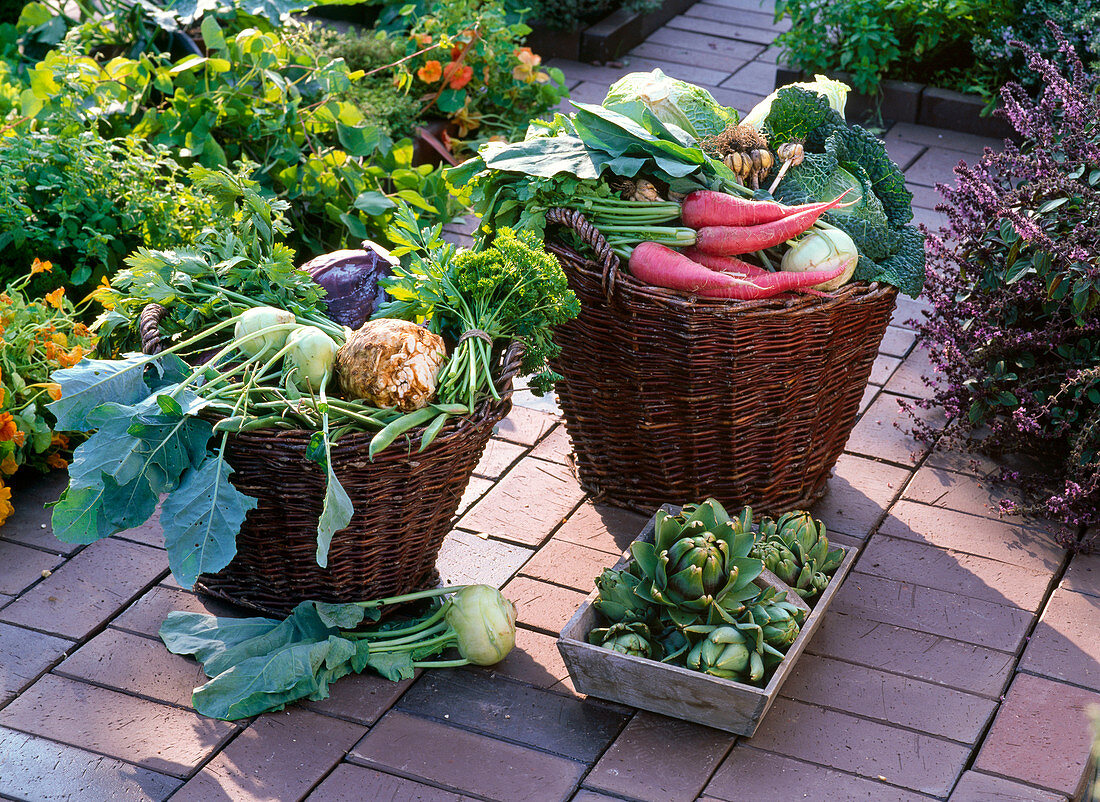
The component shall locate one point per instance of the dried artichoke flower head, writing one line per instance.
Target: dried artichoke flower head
(390, 363)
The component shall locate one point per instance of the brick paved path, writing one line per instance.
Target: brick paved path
(955, 663)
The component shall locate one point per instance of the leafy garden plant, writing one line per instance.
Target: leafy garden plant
(37, 337)
(1015, 324)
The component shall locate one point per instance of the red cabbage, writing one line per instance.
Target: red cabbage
(350, 280)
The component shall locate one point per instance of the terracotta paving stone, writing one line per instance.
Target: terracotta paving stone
(568, 564)
(858, 494)
(23, 566)
(701, 73)
(602, 527)
(931, 219)
(466, 558)
(908, 309)
(1083, 574)
(498, 458)
(1066, 643)
(555, 447)
(705, 44)
(876, 436)
(24, 655)
(279, 757)
(525, 426)
(869, 394)
(897, 341)
(506, 710)
(955, 572)
(535, 660)
(874, 598)
(996, 539)
(1041, 735)
(900, 757)
(932, 658)
(350, 783)
(957, 491)
(882, 369)
(88, 589)
(585, 795)
(659, 759)
(754, 74)
(527, 504)
(909, 378)
(541, 605)
(29, 524)
(890, 698)
(150, 533)
(750, 773)
(136, 665)
(936, 166)
(902, 152)
(976, 787)
(470, 762)
(683, 55)
(165, 739)
(941, 138)
(475, 489)
(360, 698)
(725, 30)
(38, 770)
(145, 615)
(748, 13)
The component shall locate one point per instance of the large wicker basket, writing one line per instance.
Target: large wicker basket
(404, 505)
(671, 399)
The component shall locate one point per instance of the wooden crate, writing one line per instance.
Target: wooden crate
(681, 692)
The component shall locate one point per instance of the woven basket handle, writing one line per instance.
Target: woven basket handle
(590, 235)
(513, 359)
(149, 328)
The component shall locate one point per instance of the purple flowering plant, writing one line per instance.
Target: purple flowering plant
(1014, 328)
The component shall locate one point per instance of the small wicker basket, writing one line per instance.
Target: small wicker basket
(404, 505)
(669, 398)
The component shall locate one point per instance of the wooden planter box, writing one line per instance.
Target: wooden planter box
(681, 692)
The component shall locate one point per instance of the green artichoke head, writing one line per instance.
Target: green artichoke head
(617, 600)
(698, 558)
(724, 652)
(632, 639)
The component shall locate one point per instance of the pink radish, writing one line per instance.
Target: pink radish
(733, 240)
(723, 264)
(660, 266)
(706, 208)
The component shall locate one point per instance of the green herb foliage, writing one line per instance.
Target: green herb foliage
(83, 202)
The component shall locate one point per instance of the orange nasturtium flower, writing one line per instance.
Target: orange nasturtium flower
(69, 358)
(8, 465)
(528, 70)
(53, 390)
(59, 440)
(423, 39)
(57, 461)
(38, 266)
(54, 298)
(430, 72)
(458, 75)
(6, 508)
(8, 430)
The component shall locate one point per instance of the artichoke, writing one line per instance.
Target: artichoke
(617, 600)
(632, 639)
(726, 653)
(795, 549)
(698, 564)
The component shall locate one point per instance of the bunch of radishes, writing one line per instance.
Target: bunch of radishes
(727, 226)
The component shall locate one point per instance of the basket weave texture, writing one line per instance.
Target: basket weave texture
(404, 505)
(670, 398)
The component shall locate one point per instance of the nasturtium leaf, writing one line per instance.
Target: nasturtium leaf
(451, 100)
(373, 202)
(201, 520)
(358, 140)
(92, 382)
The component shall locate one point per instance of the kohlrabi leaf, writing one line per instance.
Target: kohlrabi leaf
(205, 636)
(201, 519)
(92, 382)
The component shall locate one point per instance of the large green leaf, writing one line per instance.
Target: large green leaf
(201, 520)
(206, 636)
(544, 157)
(92, 382)
(270, 681)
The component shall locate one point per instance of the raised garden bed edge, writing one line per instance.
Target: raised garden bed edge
(606, 40)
